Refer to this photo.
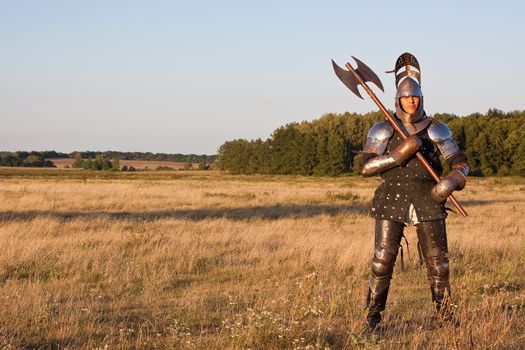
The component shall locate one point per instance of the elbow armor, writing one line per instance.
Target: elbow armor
(464, 168)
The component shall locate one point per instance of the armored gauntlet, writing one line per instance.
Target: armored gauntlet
(407, 149)
(397, 157)
(455, 181)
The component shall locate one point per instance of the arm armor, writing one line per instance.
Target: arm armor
(461, 167)
(441, 135)
(378, 164)
(375, 161)
(378, 137)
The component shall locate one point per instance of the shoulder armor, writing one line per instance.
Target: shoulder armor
(381, 131)
(441, 135)
(438, 132)
(378, 137)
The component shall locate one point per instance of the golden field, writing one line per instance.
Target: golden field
(202, 260)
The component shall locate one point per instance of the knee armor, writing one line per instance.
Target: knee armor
(382, 263)
(438, 268)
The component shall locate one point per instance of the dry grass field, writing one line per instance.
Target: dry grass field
(200, 260)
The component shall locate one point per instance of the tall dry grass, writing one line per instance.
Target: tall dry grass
(209, 261)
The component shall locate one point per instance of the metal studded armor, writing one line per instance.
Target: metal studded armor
(408, 194)
(411, 183)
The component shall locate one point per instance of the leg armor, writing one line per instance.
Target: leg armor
(432, 237)
(387, 238)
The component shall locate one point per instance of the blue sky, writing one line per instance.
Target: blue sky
(185, 76)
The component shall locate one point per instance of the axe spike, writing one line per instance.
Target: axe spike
(347, 78)
(367, 74)
(350, 77)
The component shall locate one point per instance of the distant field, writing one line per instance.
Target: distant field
(203, 260)
(137, 164)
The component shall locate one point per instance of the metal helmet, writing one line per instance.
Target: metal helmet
(408, 83)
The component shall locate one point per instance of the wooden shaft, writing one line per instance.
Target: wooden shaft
(400, 131)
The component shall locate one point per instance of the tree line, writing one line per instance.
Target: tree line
(494, 143)
(99, 163)
(165, 157)
(24, 159)
(94, 159)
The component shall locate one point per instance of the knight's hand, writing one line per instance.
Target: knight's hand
(406, 149)
(455, 181)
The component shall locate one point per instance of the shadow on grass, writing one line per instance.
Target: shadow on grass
(484, 202)
(273, 212)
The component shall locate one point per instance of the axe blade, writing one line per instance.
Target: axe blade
(367, 74)
(348, 78)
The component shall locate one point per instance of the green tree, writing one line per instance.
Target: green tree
(493, 142)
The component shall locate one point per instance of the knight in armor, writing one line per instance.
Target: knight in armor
(408, 195)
